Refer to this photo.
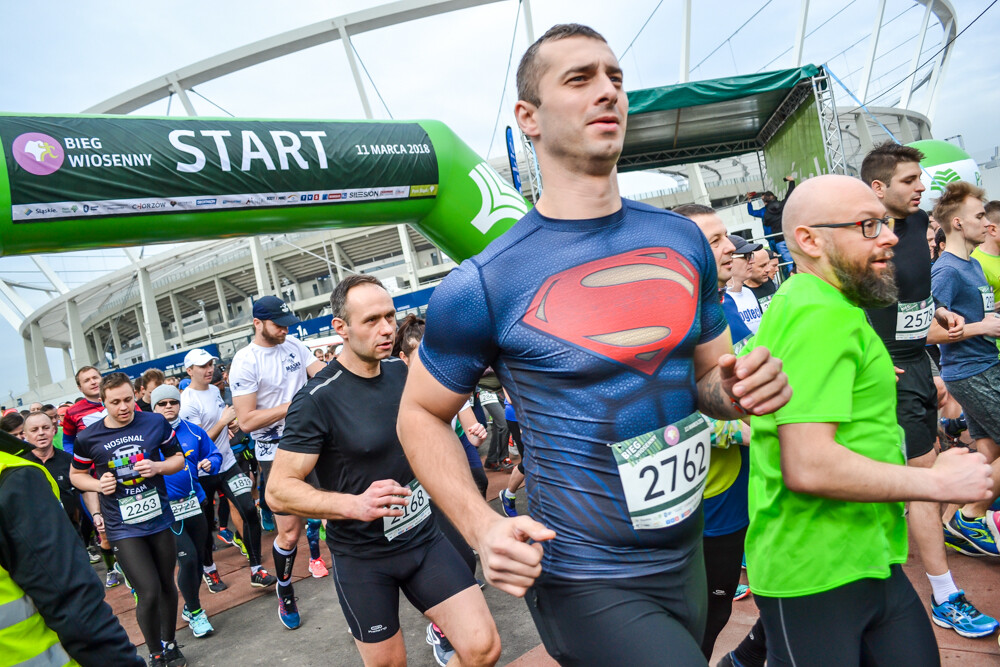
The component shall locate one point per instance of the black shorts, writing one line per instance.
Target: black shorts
(368, 588)
(864, 622)
(653, 620)
(916, 405)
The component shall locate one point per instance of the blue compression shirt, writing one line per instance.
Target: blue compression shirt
(196, 446)
(591, 326)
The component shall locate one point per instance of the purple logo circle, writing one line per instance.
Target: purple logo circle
(671, 435)
(38, 153)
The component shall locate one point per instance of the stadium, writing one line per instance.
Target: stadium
(716, 148)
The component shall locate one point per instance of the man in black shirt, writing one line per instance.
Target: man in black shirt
(342, 424)
(38, 432)
(906, 327)
(760, 282)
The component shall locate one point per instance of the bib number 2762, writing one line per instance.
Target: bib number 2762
(663, 472)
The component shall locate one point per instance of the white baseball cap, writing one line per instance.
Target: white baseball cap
(197, 357)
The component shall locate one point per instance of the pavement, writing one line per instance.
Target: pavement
(247, 630)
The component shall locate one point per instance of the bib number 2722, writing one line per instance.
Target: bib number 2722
(663, 472)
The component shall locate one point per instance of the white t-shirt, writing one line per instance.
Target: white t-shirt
(749, 307)
(204, 408)
(274, 374)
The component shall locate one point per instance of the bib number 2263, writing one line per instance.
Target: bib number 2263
(663, 472)
(416, 509)
(140, 508)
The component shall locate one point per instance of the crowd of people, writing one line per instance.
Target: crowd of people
(678, 414)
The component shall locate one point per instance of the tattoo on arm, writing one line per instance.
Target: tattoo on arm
(713, 399)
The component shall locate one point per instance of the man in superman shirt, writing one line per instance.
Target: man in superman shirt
(601, 318)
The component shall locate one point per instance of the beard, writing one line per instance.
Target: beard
(273, 339)
(861, 284)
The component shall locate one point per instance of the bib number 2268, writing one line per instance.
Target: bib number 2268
(663, 472)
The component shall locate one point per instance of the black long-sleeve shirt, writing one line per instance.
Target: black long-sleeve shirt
(44, 556)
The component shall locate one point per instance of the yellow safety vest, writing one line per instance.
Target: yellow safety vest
(25, 640)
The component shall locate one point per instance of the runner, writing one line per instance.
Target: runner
(729, 467)
(969, 366)
(264, 377)
(589, 356)
(759, 281)
(39, 432)
(186, 500)
(202, 405)
(126, 447)
(988, 252)
(509, 495)
(905, 326)
(86, 411)
(53, 603)
(342, 426)
(740, 301)
(827, 534)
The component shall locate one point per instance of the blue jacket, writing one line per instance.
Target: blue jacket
(197, 446)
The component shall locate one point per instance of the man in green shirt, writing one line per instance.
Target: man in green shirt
(988, 253)
(827, 534)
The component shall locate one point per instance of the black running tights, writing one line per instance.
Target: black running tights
(148, 563)
(243, 502)
(723, 555)
(190, 535)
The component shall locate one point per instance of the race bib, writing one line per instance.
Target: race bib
(913, 320)
(764, 303)
(415, 511)
(240, 484)
(988, 302)
(185, 508)
(140, 508)
(663, 472)
(487, 397)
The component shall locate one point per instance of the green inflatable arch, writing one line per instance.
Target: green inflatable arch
(76, 182)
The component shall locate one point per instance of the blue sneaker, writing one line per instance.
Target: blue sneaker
(200, 627)
(976, 532)
(961, 545)
(443, 652)
(288, 611)
(226, 536)
(958, 614)
(267, 520)
(743, 563)
(507, 504)
(741, 592)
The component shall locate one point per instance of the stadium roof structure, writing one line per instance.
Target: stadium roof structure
(710, 119)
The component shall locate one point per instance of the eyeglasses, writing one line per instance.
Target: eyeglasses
(166, 403)
(870, 227)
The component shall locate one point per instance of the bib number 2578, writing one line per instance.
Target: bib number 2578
(663, 472)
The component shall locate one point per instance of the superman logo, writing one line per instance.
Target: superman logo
(633, 308)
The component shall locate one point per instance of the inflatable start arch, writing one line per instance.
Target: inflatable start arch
(76, 182)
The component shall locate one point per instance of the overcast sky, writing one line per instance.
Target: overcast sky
(66, 56)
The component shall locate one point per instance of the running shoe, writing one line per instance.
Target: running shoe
(200, 627)
(961, 545)
(958, 614)
(318, 568)
(172, 655)
(507, 504)
(741, 592)
(113, 579)
(214, 582)
(977, 532)
(267, 520)
(497, 467)
(261, 579)
(242, 547)
(288, 611)
(157, 661)
(95, 554)
(443, 652)
(226, 536)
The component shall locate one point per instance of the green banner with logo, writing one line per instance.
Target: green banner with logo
(72, 182)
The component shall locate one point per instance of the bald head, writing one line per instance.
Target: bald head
(828, 198)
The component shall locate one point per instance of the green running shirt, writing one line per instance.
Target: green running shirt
(839, 371)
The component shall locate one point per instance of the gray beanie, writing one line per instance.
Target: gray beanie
(162, 392)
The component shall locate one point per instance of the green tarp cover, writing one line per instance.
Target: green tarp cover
(711, 91)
